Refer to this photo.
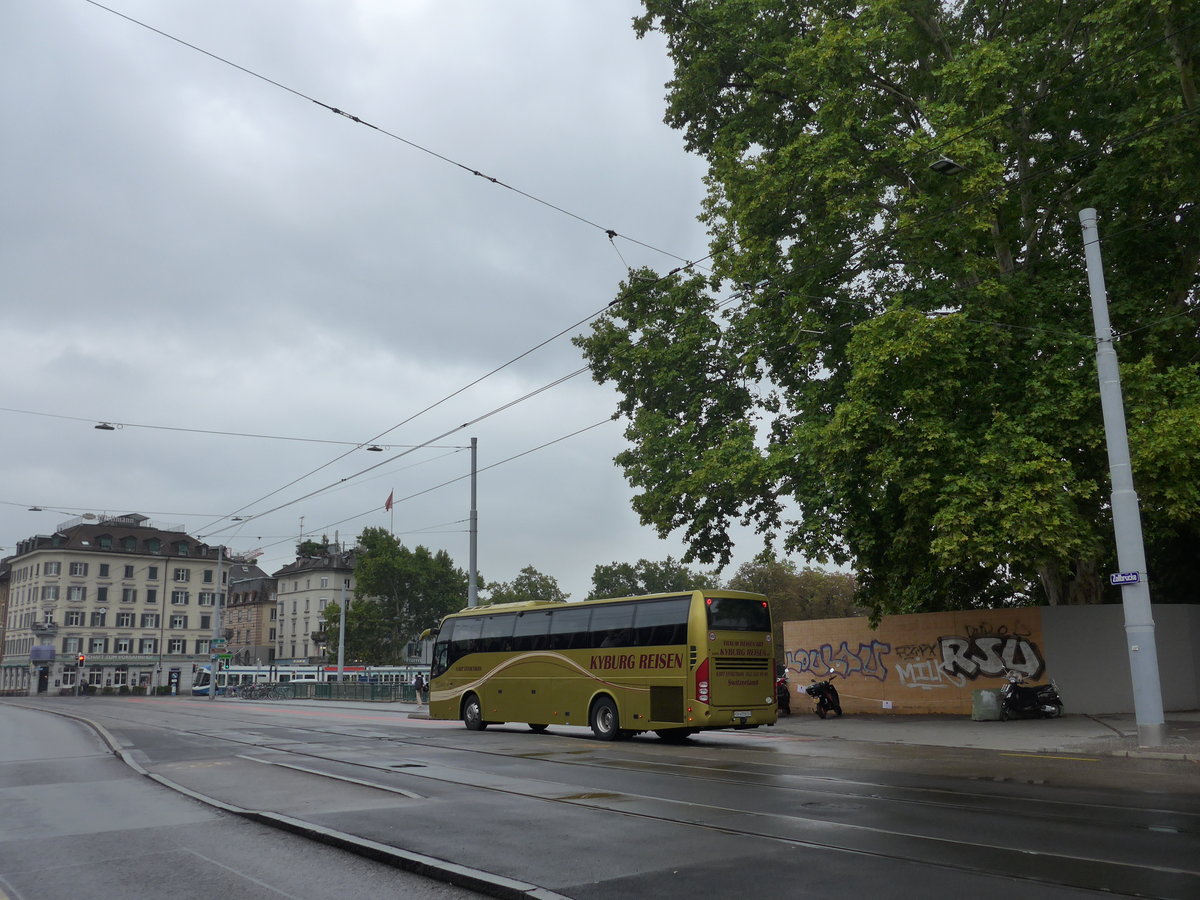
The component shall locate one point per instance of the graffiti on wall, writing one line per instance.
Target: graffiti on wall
(949, 662)
(867, 660)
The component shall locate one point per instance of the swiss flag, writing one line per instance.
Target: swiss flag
(388, 505)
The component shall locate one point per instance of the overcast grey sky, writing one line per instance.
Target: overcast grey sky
(188, 246)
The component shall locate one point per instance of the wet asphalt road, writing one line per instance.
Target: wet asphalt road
(769, 813)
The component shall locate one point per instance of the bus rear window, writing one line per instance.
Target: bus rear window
(737, 614)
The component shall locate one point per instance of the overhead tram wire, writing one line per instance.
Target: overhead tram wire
(385, 462)
(611, 233)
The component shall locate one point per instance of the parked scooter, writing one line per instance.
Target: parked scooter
(783, 696)
(825, 695)
(1020, 699)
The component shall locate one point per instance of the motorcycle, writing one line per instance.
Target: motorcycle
(825, 695)
(783, 696)
(1020, 699)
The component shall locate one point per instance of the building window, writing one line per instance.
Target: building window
(122, 645)
(152, 573)
(103, 569)
(129, 595)
(79, 569)
(153, 545)
(151, 595)
(72, 646)
(148, 645)
(101, 595)
(76, 594)
(272, 637)
(125, 620)
(98, 617)
(324, 581)
(48, 617)
(98, 645)
(274, 614)
(129, 571)
(121, 676)
(182, 575)
(149, 620)
(206, 621)
(202, 645)
(96, 674)
(129, 543)
(74, 617)
(52, 568)
(105, 542)
(206, 598)
(181, 549)
(175, 645)
(179, 598)
(49, 592)
(178, 622)
(208, 576)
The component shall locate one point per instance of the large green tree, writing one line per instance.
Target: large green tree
(646, 577)
(892, 367)
(398, 593)
(530, 585)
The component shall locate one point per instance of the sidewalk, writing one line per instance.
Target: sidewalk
(1107, 735)
(1110, 735)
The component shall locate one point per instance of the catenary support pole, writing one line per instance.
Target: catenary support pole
(342, 633)
(1127, 522)
(473, 582)
(216, 627)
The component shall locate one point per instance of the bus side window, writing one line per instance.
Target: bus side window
(661, 622)
(497, 633)
(612, 626)
(466, 638)
(569, 629)
(530, 632)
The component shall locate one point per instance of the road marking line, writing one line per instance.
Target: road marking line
(1048, 756)
(369, 784)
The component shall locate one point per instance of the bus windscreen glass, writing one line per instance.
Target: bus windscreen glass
(737, 614)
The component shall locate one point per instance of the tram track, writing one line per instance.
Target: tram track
(818, 823)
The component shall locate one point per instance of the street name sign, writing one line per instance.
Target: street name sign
(1124, 578)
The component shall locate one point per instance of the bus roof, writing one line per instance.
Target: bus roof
(527, 605)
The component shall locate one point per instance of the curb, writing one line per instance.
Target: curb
(442, 870)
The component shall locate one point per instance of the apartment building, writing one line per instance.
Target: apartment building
(250, 616)
(304, 588)
(133, 599)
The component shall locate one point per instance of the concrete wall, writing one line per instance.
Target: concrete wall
(933, 662)
(1091, 663)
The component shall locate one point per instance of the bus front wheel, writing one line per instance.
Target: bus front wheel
(605, 721)
(472, 714)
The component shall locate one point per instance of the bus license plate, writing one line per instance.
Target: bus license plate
(741, 713)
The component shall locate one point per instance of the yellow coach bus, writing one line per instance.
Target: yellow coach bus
(673, 664)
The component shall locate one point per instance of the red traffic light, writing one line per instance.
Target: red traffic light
(82, 659)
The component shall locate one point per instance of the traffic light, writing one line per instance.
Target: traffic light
(82, 659)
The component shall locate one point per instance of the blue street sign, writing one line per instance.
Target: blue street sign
(1124, 578)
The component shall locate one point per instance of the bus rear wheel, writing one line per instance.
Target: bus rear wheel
(604, 719)
(537, 728)
(472, 714)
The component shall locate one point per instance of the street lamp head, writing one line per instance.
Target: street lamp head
(375, 448)
(104, 426)
(947, 166)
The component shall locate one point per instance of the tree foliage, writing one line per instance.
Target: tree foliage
(398, 593)
(894, 369)
(796, 594)
(530, 585)
(646, 577)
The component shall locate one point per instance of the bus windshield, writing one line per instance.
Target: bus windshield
(737, 614)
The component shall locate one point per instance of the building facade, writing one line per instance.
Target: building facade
(250, 616)
(114, 603)
(304, 589)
